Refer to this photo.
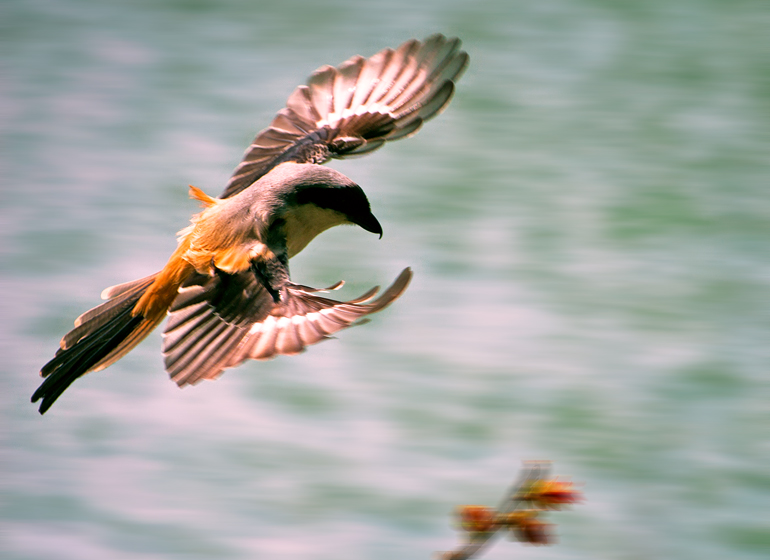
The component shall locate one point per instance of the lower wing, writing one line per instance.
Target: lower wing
(219, 321)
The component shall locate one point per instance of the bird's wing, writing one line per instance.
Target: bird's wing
(355, 108)
(219, 321)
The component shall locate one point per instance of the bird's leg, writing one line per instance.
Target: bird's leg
(270, 265)
(269, 276)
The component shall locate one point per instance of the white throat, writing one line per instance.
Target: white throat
(304, 222)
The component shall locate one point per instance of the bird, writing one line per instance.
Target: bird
(226, 289)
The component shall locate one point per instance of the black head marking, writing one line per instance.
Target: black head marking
(349, 200)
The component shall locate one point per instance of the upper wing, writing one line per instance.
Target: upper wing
(355, 108)
(219, 321)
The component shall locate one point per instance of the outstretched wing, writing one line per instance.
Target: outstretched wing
(355, 108)
(219, 321)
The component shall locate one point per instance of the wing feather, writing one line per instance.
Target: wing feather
(218, 322)
(354, 108)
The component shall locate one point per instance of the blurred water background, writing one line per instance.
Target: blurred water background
(588, 225)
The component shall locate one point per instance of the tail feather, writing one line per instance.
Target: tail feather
(101, 337)
(70, 364)
(118, 289)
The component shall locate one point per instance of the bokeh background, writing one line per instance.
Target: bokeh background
(588, 225)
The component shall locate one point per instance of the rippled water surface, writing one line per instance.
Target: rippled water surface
(588, 225)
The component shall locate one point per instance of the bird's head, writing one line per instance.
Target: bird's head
(329, 190)
(307, 199)
(348, 200)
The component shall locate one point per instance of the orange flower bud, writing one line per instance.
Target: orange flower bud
(477, 519)
(552, 493)
(526, 527)
(535, 531)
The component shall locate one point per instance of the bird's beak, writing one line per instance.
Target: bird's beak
(370, 223)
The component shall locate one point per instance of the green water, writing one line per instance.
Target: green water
(588, 227)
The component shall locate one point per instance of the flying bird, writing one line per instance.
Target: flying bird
(226, 289)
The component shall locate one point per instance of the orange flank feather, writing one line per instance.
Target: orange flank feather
(207, 243)
(199, 195)
(160, 295)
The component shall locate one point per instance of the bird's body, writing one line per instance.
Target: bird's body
(226, 288)
(266, 224)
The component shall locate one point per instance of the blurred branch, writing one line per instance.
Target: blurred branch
(519, 513)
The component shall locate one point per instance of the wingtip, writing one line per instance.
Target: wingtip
(394, 291)
(406, 275)
(404, 279)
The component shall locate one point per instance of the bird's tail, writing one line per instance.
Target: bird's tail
(101, 336)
